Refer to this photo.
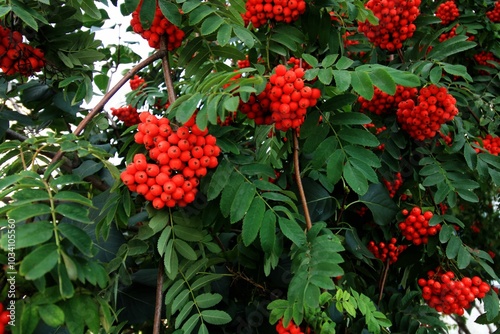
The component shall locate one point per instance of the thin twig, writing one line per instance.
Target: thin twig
(384, 278)
(159, 298)
(100, 105)
(302, 194)
(166, 70)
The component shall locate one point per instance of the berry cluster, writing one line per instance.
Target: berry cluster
(284, 101)
(484, 58)
(416, 228)
(127, 114)
(18, 57)
(447, 12)
(348, 42)
(4, 318)
(396, 19)
(292, 328)
(452, 33)
(444, 292)
(259, 12)
(494, 14)
(159, 27)
(490, 143)
(394, 185)
(136, 82)
(181, 158)
(423, 119)
(297, 62)
(383, 103)
(384, 251)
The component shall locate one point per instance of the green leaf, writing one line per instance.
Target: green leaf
(362, 84)
(39, 262)
(450, 47)
(468, 195)
(188, 233)
(232, 103)
(71, 196)
(325, 75)
(253, 221)
(184, 312)
(343, 63)
(24, 15)
(242, 201)
(73, 211)
(458, 70)
(78, 237)
(91, 9)
(170, 11)
(187, 108)
(244, 35)
(436, 74)
(163, 239)
(381, 205)
(445, 233)
(215, 317)
(24, 212)
(190, 324)
(491, 305)
(211, 24)
(463, 258)
(342, 80)
(453, 247)
(147, 13)
(310, 59)
(292, 230)
(350, 118)
(359, 137)
(383, 80)
(185, 250)
(51, 314)
(29, 196)
(268, 232)
(224, 34)
(28, 235)
(206, 300)
(355, 179)
(335, 166)
(329, 60)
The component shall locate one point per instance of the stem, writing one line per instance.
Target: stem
(100, 105)
(384, 278)
(302, 194)
(166, 70)
(159, 298)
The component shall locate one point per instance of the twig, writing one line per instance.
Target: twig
(159, 298)
(384, 278)
(462, 326)
(166, 70)
(302, 194)
(100, 105)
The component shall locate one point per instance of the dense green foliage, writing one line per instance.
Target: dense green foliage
(242, 255)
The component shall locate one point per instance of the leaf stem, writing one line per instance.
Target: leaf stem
(296, 149)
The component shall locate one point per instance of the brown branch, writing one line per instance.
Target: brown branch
(302, 194)
(462, 325)
(166, 70)
(100, 105)
(159, 298)
(384, 278)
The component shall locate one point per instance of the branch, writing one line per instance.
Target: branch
(100, 105)
(302, 194)
(159, 298)
(166, 70)
(384, 278)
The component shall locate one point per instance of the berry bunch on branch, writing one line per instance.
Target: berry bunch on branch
(423, 119)
(181, 157)
(386, 251)
(127, 114)
(136, 82)
(260, 12)
(383, 103)
(494, 14)
(416, 227)
(159, 27)
(447, 12)
(395, 24)
(18, 57)
(450, 295)
(490, 144)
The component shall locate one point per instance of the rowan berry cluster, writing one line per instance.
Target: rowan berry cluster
(416, 228)
(297, 62)
(348, 42)
(127, 114)
(181, 157)
(490, 143)
(494, 14)
(383, 103)
(452, 33)
(423, 119)
(446, 293)
(18, 57)
(394, 186)
(259, 12)
(484, 58)
(4, 318)
(447, 12)
(136, 82)
(396, 19)
(292, 328)
(284, 101)
(386, 251)
(159, 27)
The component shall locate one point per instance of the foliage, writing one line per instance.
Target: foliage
(280, 228)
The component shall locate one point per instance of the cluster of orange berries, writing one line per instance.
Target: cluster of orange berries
(484, 57)
(494, 14)
(292, 328)
(490, 143)
(181, 159)
(447, 12)
(416, 228)
(18, 57)
(159, 27)
(423, 119)
(259, 12)
(446, 293)
(297, 62)
(396, 19)
(284, 101)
(127, 114)
(452, 33)
(394, 186)
(383, 103)
(4, 318)
(384, 251)
(136, 82)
